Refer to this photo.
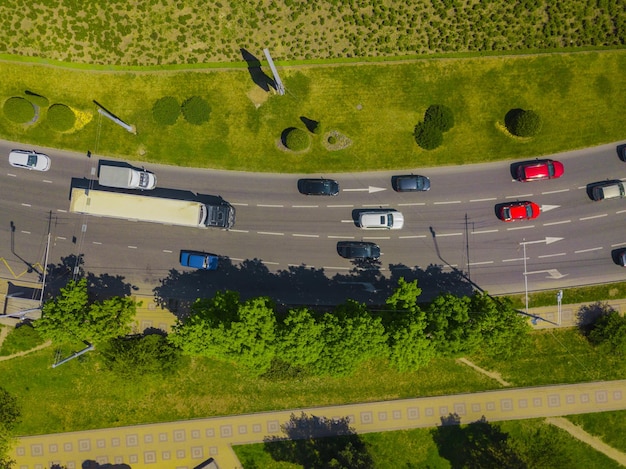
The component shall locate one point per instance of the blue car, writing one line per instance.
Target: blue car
(198, 260)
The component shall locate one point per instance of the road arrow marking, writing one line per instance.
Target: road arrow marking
(547, 240)
(369, 189)
(547, 208)
(552, 273)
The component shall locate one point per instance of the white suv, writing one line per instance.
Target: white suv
(381, 220)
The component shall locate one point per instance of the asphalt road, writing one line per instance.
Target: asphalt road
(283, 243)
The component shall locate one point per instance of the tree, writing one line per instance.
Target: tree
(196, 110)
(166, 110)
(296, 139)
(71, 317)
(427, 136)
(450, 327)
(9, 417)
(523, 123)
(301, 338)
(609, 333)
(440, 116)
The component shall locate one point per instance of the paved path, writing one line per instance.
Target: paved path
(185, 444)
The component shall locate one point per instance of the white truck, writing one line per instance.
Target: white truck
(152, 209)
(126, 177)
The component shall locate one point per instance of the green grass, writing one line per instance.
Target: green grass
(609, 426)
(588, 294)
(416, 448)
(556, 356)
(20, 339)
(578, 96)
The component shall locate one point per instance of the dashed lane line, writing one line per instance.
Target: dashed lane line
(487, 199)
(552, 255)
(485, 231)
(518, 196)
(270, 233)
(593, 217)
(526, 227)
(588, 250)
(557, 223)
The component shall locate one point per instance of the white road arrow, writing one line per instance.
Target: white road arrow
(369, 189)
(547, 208)
(547, 240)
(552, 273)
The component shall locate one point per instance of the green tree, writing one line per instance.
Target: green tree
(427, 135)
(609, 333)
(301, 338)
(440, 116)
(450, 327)
(523, 123)
(71, 317)
(9, 417)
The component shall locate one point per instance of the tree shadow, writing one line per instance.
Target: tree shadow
(259, 77)
(479, 444)
(319, 443)
(310, 124)
(91, 464)
(588, 315)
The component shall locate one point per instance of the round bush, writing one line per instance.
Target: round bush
(166, 110)
(196, 110)
(19, 110)
(332, 139)
(428, 136)
(61, 117)
(523, 123)
(440, 116)
(296, 139)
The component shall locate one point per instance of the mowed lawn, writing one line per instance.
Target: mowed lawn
(579, 97)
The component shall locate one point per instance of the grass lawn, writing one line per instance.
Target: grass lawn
(589, 294)
(609, 426)
(579, 97)
(417, 448)
(20, 339)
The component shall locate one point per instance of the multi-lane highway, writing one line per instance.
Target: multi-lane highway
(452, 228)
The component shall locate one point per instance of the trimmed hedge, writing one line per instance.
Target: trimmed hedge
(61, 117)
(166, 110)
(296, 139)
(523, 123)
(19, 110)
(196, 110)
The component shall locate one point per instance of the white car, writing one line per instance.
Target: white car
(29, 160)
(381, 220)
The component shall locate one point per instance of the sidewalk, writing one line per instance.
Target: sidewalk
(185, 444)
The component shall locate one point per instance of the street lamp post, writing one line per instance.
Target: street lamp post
(559, 297)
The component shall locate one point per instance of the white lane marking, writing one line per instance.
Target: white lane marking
(236, 259)
(593, 217)
(441, 235)
(239, 231)
(588, 250)
(555, 192)
(546, 208)
(26, 205)
(305, 235)
(375, 205)
(552, 255)
(485, 231)
(93, 170)
(618, 244)
(339, 206)
(518, 196)
(483, 200)
(47, 182)
(581, 187)
(412, 237)
(270, 263)
(239, 204)
(270, 206)
(447, 202)
(61, 237)
(515, 259)
(83, 228)
(25, 232)
(339, 237)
(305, 206)
(520, 227)
(336, 268)
(61, 210)
(96, 242)
(12, 175)
(481, 263)
(557, 222)
(412, 204)
(621, 211)
(167, 251)
(376, 237)
(270, 233)
(347, 221)
(132, 247)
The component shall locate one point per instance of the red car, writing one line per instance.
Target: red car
(539, 169)
(518, 211)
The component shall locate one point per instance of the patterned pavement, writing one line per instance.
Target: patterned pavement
(186, 444)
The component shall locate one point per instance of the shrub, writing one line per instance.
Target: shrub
(61, 117)
(296, 139)
(523, 123)
(19, 110)
(196, 110)
(428, 136)
(166, 110)
(439, 116)
(331, 139)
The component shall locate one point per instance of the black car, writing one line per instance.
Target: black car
(410, 183)
(620, 257)
(320, 186)
(358, 250)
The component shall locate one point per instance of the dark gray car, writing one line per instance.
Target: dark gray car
(410, 183)
(319, 186)
(358, 250)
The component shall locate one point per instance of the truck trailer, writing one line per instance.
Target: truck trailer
(138, 207)
(126, 178)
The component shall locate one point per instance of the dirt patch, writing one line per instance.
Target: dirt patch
(335, 140)
(492, 374)
(258, 96)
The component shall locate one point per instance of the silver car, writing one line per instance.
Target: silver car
(381, 220)
(29, 160)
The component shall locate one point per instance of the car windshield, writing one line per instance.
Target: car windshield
(32, 160)
(550, 169)
(529, 210)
